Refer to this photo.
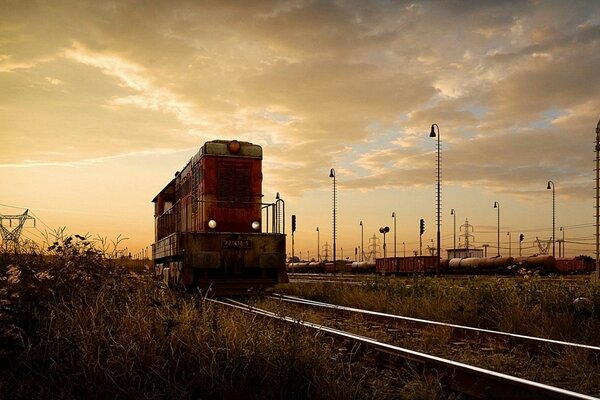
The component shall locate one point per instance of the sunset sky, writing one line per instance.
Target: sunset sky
(102, 101)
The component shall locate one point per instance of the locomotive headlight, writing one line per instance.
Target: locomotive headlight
(256, 225)
(212, 224)
(234, 147)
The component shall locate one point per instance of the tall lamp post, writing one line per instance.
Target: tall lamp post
(362, 242)
(318, 246)
(453, 213)
(551, 186)
(497, 205)
(394, 216)
(438, 175)
(509, 244)
(332, 175)
(598, 200)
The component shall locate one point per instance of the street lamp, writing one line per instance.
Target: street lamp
(332, 175)
(598, 201)
(362, 242)
(404, 245)
(562, 229)
(318, 246)
(384, 230)
(497, 205)
(509, 244)
(454, 214)
(550, 183)
(438, 175)
(394, 216)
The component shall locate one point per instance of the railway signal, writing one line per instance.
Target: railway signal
(521, 238)
(293, 223)
(422, 226)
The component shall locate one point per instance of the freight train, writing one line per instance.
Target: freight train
(539, 264)
(542, 264)
(212, 230)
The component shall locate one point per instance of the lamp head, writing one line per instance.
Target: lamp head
(496, 204)
(332, 173)
(432, 133)
(452, 212)
(549, 182)
(393, 214)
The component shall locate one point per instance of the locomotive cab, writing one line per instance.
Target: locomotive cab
(212, 229)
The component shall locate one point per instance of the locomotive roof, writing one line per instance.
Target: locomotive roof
(216, 148)
(221, 148)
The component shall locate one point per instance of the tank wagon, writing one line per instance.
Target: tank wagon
(212, 230)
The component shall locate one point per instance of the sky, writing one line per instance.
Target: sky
(102, 102)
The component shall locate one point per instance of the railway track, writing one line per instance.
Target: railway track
(470, 380)
(458, 331)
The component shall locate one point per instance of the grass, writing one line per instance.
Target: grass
(78, 325)
(526, 306)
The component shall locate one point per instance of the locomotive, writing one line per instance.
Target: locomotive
(209, 230)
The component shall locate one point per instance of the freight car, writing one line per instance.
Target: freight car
(406, 265)
(209, 230)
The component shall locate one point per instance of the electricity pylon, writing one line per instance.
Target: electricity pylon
(10, 234)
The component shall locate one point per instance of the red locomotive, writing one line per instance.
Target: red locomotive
(209, 230)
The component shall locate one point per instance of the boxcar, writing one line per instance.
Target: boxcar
(212, 230)
(406, 265)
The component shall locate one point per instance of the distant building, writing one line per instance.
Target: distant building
(464, 253)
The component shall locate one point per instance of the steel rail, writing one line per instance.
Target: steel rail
(481, 382)
(533, 339)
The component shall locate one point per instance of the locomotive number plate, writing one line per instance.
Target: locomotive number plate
(237, 244)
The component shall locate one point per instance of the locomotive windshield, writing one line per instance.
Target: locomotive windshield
(233, 185)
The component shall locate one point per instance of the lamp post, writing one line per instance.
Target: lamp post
(332, 175)
(384, 230)
(598, 201)
(404, 245)
(551, 186)
(394, 216)
(438, 175)
(453, 213)
(509, 244)
(318, 246)
(562, 229)
(497, 205)
(362, 242)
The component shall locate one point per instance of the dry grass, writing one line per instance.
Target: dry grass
(526, 306)
(75, 325)
(531, 307)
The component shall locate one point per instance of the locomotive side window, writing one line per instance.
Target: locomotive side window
(233, 185)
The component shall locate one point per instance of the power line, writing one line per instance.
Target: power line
(19, 208)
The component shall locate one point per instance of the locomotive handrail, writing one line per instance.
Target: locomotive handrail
(167, 222)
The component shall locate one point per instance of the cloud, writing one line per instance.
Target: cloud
(355, 85)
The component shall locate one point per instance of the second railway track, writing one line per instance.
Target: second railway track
(471, 380)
